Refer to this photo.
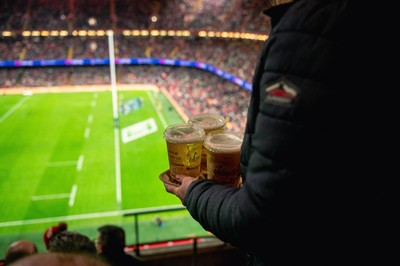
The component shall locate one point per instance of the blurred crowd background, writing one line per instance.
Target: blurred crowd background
(195, 90)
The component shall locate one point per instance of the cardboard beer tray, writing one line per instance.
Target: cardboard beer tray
(165, 177)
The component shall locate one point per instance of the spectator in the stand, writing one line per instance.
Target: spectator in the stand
(20, 249)
(72, 242)
(52, 231)
(110, 244)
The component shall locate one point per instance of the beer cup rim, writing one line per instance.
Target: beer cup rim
(231, 141)
(208, 121)
(184, 133)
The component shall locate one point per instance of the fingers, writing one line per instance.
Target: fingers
(180, 177)
(170, 188)
(183, 178)
(174, 189)
(180, 191)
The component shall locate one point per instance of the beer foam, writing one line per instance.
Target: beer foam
(208, 121)
(184, 133)
(223, 142)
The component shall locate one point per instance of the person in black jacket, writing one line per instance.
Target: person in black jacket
(110, 245)
(318, 157)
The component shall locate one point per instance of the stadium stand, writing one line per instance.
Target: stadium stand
(193, 89)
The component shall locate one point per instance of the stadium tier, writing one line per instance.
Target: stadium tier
(174, 59)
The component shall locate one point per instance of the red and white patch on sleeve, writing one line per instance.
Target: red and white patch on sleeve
(280, 93)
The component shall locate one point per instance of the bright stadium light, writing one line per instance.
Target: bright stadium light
(92, 21)
(100, 33)
(6, 33)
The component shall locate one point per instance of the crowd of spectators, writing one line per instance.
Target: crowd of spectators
(237, 15)
(108, 248)
(236, 57)
(195, 90)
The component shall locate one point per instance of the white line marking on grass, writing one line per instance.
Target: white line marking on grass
(64, 163)
(93, 103)
(114, 97)
(80, 163)
(52, 196)
(160, 115)
(87, 132)
(85, 216)
(90, 119)
(15, 107)
(117, 168)
(72, 195)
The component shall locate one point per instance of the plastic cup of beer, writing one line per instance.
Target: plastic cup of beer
(184, 143)
(210, 123)
(223, 157)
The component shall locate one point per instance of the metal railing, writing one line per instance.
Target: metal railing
(136, 214)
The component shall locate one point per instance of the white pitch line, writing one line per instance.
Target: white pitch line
(160, 116)
(93, 103)
(15, 107)
(52, 196)
(80, 163)
(117, 168)
(87, 132)
(84, 216)
(90, 119)
(72, 195)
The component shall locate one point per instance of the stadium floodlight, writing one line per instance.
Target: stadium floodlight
(100, 33)
(155, 33)
(126, 32)
(7, 33)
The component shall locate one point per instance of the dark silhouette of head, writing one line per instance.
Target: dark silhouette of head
(20, 249)
(71, 242)
(111, 239)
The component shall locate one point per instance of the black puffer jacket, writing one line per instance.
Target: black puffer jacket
(317, 185)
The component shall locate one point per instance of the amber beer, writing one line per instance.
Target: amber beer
(223, 157)
(184, 143)
(210, 123)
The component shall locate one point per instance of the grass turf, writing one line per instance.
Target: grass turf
(59, 161)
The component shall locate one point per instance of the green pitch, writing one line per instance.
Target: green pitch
(64, 158)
